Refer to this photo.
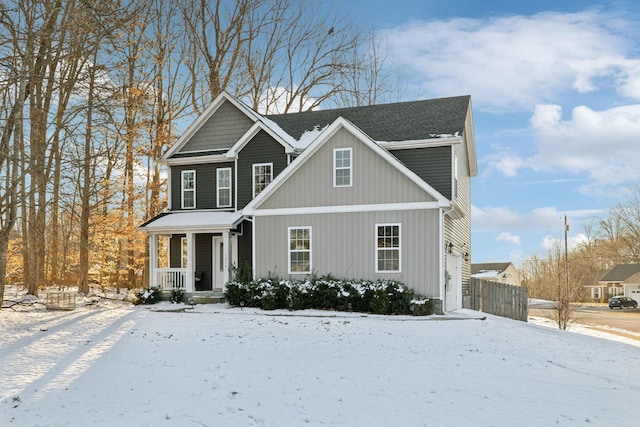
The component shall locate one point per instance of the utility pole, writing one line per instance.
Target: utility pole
(566, 255)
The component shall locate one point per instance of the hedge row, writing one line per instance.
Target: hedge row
(327, 293)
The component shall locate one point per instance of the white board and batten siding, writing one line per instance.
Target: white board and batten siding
(343, 241)
(374, 180)
(344, 245)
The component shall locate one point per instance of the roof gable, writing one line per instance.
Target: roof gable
(319, 142)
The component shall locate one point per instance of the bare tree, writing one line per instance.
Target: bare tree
(13, 94)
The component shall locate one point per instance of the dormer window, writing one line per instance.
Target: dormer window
(342, 167)
(188, 189)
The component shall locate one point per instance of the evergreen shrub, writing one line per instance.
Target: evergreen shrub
(147, 296)
(328, 293)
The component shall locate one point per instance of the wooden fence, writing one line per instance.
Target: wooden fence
(500, 299)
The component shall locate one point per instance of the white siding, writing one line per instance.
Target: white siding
(374, 180)
(344, 245)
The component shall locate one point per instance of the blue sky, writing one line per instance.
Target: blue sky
(555, 87)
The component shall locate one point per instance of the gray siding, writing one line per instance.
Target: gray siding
(221, 131)
(261, 149)
(344, 245)
(175, 250)
(432, 164)
(204, 261)
(374, 180)
(458, 231)
(245, 244)
(206, 180)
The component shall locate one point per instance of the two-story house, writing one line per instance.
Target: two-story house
(373, 192)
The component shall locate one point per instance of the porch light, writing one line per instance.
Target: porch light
(450, 247)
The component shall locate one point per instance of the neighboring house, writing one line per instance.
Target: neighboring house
(376, 192)
(599, 291)
(503, 272)
(623, 279)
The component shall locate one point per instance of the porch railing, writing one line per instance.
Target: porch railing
(171, 278)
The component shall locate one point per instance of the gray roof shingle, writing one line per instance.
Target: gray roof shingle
(621, 272)
(402, 121)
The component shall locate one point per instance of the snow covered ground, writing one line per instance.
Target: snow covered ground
(118, 365)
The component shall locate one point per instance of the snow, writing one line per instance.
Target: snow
(208, 365)
(195, 219)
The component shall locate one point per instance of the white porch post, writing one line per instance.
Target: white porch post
(226, 257)
(190, 263)
(153, 260)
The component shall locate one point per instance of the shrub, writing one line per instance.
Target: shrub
(147, 296)
(328, 293)
(176, 296)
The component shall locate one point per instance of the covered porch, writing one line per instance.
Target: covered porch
(193, 251)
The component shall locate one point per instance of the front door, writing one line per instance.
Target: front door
(218, 262)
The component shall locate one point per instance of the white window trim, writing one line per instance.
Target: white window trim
(219, 188)
(183, 173)
(289, 249)
(377, 249)
(253, 176)
(336, 168)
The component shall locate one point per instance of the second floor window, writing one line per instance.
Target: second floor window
(262, 176)
(224, 187)
(342, 167)
(188, 189)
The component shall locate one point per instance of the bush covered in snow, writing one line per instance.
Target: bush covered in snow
(147, 296)
(328, 293)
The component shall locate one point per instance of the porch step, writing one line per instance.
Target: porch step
(204, 297)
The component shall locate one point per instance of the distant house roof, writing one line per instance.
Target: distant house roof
(620, 273)
(594, 280)
(497, 267)
(403, 121)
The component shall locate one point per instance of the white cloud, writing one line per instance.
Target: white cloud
(518, 61)
(499, 219)
(508, 238)
(599, 144)
(551, 244)
(276, 99)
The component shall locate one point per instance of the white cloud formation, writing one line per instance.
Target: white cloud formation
(518, 61)
(508, 238)
(499, 219)
(599, 144)
(551, 244)
(276, 99)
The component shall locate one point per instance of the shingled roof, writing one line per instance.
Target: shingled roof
(489, 266)
(403, 121)
(621, 272)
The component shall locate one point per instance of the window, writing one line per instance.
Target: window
(188, 189)
(299, 250)
(262, 176)
(387, 248)
(342, 167)
(183, 258)
(224, 187)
